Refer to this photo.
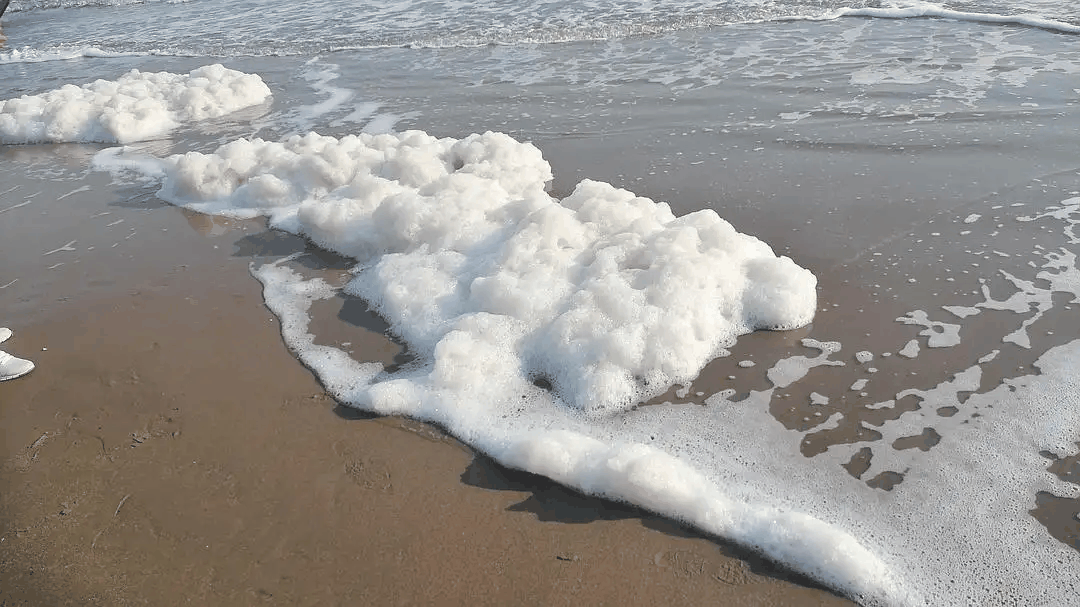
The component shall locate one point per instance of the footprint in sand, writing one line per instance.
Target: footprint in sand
(366, 472)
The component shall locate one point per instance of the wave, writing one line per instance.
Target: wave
(60, 53)
(745, 15)
(24, 6)
(322, 26)
(314, 28)
(927, 10)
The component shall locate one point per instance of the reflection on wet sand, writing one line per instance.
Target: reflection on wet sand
(210, 225)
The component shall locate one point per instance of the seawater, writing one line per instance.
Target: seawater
(919, 158)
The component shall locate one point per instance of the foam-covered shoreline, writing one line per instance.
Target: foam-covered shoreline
(278, 475)
(59, 53)
(463, 252)
(752, 451)
(493, 284)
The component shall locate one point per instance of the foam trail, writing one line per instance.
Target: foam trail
(321, 77)
(289, 299)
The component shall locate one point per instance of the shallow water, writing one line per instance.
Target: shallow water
(924, 169)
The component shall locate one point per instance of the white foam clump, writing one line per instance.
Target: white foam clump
(607, 295)
(910, 350)
(137, 106)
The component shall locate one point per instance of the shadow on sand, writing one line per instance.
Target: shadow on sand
(551, 502)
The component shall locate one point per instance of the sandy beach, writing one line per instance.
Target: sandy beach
(908, 440)
(169, 450)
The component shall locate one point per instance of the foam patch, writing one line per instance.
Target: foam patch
(606, 295)
(135, 107)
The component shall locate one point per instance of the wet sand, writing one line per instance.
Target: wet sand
(169, 449)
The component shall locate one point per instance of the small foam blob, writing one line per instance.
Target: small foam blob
(135, 107)
(938, 334)
(910, 350)
(961, 311)
(789, 370)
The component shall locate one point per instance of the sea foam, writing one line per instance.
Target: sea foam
(527, 428)
(493, 284)
(137, 106)
(610, 298)
(606, 295)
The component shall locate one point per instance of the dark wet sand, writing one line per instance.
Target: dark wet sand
(169, 450)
